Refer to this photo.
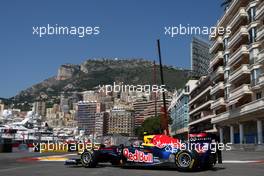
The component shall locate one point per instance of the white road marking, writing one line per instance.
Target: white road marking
(243, 162)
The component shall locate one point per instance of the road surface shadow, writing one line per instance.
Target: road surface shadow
(216, 168)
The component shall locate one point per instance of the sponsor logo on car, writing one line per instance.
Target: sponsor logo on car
(162, 141)
(138, 156)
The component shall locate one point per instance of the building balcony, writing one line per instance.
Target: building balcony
(241, 71)
(216, 58)
(241, 14)
(237, 55)
(239, 92)
(260, 33)
(217, 87)
(258, 83)
(202, 106)
(246, 110)
(217, 73)
(229, 12)
(260, 11)
(218, 103)
(238, 36)
(205, 115)
(182, 130)
(261, 57)
(217, 43)
(200, 95)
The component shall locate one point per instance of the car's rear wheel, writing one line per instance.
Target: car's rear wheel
(88, 159)
(186, 160)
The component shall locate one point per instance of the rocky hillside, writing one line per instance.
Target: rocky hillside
(92, 73)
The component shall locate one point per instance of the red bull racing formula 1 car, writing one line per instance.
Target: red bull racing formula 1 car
(157, 150)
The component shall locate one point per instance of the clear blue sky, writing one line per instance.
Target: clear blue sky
(129, 29)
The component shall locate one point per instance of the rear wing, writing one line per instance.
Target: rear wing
(206, 138)
(203, 137)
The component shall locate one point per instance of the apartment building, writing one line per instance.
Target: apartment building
(179, 111)
(2, 107)
(101, 120)
(90, 117)
(146, 109)
(200, 112)
(39, 107)
(121, 121)
(237, 73)
(200, 57)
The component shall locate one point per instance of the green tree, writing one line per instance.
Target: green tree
(150, 126)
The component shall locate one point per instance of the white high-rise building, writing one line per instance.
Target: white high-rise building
(237, 73)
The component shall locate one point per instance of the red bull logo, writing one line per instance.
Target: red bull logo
(162, 140)
(138, 156)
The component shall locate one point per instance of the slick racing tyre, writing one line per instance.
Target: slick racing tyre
(88, 159)
(186, 160)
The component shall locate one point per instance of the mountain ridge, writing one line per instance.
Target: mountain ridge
(94, 72)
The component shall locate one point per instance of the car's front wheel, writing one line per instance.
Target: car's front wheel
(88, 159)
(186, 160)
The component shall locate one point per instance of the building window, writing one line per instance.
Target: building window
(187, 88)
(225, 43)
(258, 73)
(258, 95)
(252, 35)
(253, 77)
(255, 74)
(226, 93)
(226, 75)
(226, 59)
(252, 14)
